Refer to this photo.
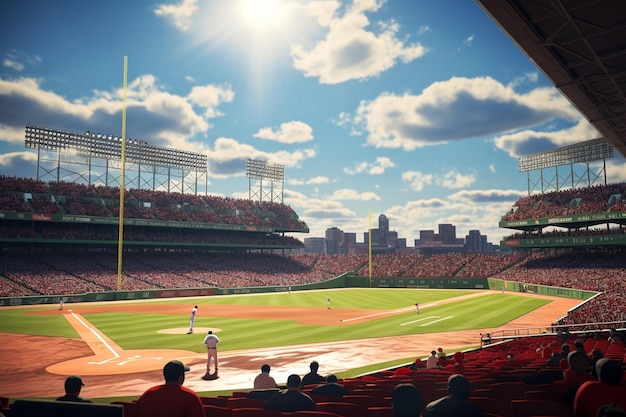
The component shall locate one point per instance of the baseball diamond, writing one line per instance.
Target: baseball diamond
(112, 371)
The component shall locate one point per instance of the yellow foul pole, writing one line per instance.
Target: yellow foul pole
(120, 238)
(369, 238)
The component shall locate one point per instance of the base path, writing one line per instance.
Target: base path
(36, 366)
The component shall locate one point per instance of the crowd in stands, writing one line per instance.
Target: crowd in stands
(463, 265)
(29, 195)
(601, 272)
(94, 271)
(594, 199)
(602, 231)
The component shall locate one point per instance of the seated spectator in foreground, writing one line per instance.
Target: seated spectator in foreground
(291, 399)
(403, 370)
(264, 380)
(576, 374)
(611, 410)
(73, 385)
(578, 370)
(171, 398)
(418, 363)
(406, 401)
(313, 377)
(554, 360)
(331, 387)
(595, 356)
(592, 395)
(456, 403)
(433, 361)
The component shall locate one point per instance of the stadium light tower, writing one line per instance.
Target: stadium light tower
(576, 158)
(259, 171)
(95, 158)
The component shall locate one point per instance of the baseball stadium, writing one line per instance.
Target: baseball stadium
(98, 278)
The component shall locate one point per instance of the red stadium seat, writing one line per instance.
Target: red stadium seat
(529, 408)
(342, 408)
(216, 411)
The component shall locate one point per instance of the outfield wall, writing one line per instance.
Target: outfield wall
(342, 281)
(498, 284)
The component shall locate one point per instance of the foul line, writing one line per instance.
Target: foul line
(85, 324)
(436, 321)
(418, 320)
(389, 312)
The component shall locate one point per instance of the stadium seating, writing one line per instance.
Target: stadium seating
(46, 408)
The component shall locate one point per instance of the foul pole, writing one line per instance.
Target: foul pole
(120, 238)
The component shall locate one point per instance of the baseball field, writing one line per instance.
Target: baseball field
(119, 348)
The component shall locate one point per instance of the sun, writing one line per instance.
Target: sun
(262, 14)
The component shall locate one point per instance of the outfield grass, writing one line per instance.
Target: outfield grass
(139, 331)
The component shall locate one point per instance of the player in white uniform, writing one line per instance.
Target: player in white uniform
(211, 341)
(328, 304)
(192, 319)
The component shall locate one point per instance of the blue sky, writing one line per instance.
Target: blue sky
(416, 109)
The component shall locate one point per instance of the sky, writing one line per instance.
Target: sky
(417, 109)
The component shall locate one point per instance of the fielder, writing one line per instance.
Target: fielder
(192, 319)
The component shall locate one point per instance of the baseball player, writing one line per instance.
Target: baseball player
(417, 308)
(192, 319)
(211, 341)
(328, 304)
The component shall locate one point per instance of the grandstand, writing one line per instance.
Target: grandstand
(58, 239)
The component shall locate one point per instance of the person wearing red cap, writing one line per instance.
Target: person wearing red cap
(171, 399)
(73, 385)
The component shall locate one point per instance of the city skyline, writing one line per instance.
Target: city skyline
(415, 109)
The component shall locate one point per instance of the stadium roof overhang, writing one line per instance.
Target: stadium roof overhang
(581, 46)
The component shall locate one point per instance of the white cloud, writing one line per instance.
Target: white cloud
(478, 106)
(13, 64)
(159, 117)
(350, 51)
(211, 96)
(492, 168)
(228, 157)
(417, 180)
(310, 181)
(377, 167)
(528, 142)
(349, 194)
(290, 132)
(454, 179)
(178, 14)
(18, 60)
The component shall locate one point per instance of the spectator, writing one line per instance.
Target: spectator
(611, 410)
(555, 359)
(595, 356)
(592, 395)
(432, 362)
(73, 385)
(171, 398)
(331, 387)
(456, 403)
(291, 399)
(406, 401)
(264, 380)
(312, 377)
